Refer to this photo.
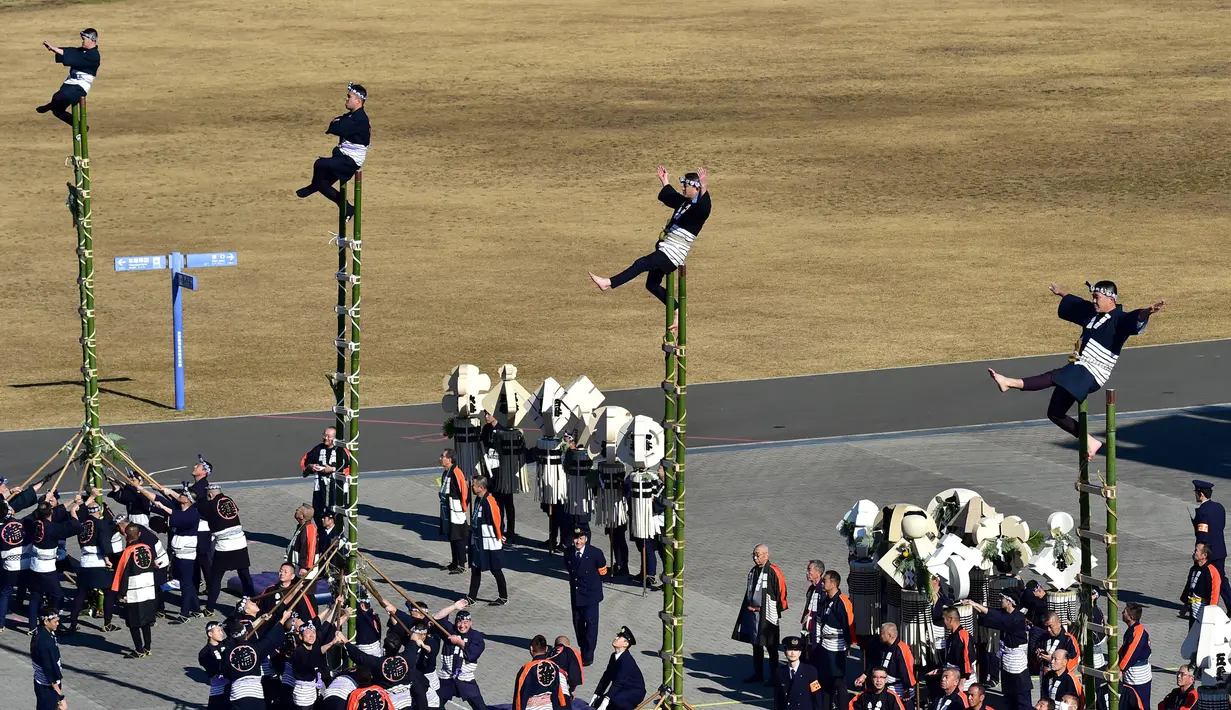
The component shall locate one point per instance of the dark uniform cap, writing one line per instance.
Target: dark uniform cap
(627, 634)
(580, 531)
(792, 643)
(1202, 485)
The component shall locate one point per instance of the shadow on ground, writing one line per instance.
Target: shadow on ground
(1182, 441)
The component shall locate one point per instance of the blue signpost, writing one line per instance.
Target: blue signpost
(176, 262)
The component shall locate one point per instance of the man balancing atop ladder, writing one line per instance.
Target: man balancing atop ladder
(1106, 326)
(354, 134)
(691, 210)
(82, 66)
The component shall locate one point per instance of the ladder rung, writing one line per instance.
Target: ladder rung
(1104, 584)
(1109, 676)
(1108, 492)
(1110, 631)
(1105, 538)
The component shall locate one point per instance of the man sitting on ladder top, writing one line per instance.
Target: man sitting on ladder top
(691, 210)
(82, 63)
(354, 134)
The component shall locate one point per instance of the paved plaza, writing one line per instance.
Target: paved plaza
(789, 495)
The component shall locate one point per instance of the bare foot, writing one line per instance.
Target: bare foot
(1092, 447)
(675, 326)
(602, 283)
(1001, 381)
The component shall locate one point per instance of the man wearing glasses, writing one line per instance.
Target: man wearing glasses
(354, 134)
(1184, 696)
(82, 63)
(691, 210)
(1105, 328)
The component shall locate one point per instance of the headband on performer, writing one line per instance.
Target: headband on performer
(1107, 288)
(90, 33)
(3, 481)
(205, 464)
(213, 487)
(690, 179)
(239, 605)
(357, 90)
(307, 626)
(212, 625)
(49, 616)
(93, 508)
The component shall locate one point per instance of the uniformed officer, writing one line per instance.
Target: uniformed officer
(796, 686)
(1209, 522)
(622, 686)
(586, 568)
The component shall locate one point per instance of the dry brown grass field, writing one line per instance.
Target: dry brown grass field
(894, 182)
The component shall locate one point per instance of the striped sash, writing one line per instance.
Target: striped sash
(230, 539)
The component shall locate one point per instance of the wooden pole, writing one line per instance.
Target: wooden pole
(67, 463)
(668, 463)
(1113, 556)
(371, 587)
(67, 446)
(405, 596)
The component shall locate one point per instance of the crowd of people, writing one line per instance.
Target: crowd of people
(1034, 649)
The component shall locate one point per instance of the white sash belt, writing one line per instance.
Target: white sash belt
(80, 78)
(230, 539)
(43, 560)
(184, 547)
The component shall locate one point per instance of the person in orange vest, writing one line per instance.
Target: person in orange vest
(1184, 696)
(1203, 585)
(367, 696)
(454, 511)
(486, 543)
(133, 585)
(879, 696)
(303, 551)
(1059, 681)
(569, 660)
(757, 623)
(540, 684)
(976, 695)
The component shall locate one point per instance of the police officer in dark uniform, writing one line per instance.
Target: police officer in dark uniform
(1209, 522)
(586, 568)
(622, 686)
(796, 684)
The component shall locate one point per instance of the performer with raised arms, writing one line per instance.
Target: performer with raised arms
(1106, 326)
(691, 209)
(82, 63)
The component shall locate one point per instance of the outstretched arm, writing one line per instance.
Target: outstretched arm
(1143, 314)
(52, 48)
(1058, 290)
(663, 177)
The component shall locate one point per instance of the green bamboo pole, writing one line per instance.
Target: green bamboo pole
(352, 499)
(681, 449)
(668, 536)
(1083, 477)
(339, 383)
(83, 216)
(1113, 556)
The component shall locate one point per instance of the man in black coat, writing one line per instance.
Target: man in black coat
(82, 63)
(354, 134)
